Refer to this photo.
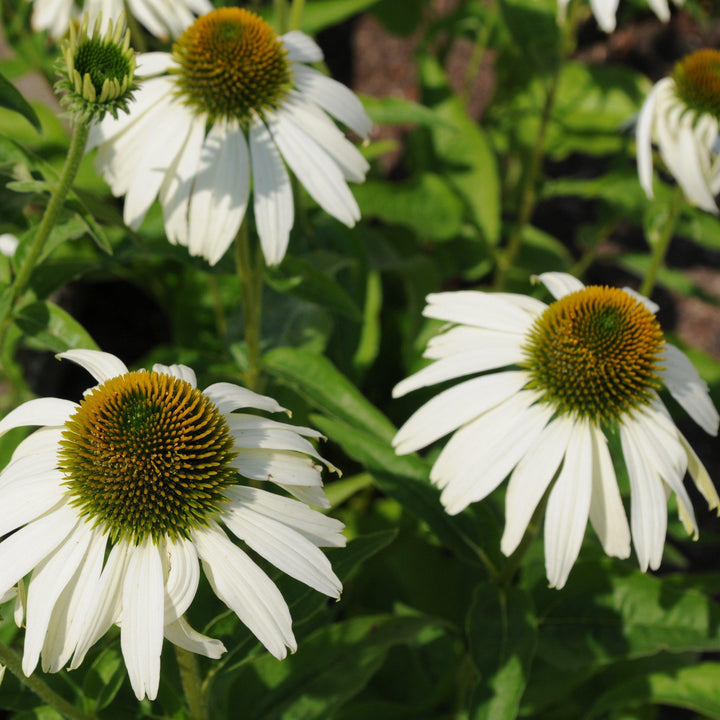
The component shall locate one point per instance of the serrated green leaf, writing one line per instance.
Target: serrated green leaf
(326, 388)
(48, 327)
(425, 204)
(12, 99)
(696, 688)
(502, 635)
(329, 668)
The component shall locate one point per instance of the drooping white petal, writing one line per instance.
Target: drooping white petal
(604, 12)
(333, 97)
(301, 48)
(310, 495)
(141, 634)
(41, 444)
(530, 479)
(31, 465)
(319, 529)
(607, 513)
(560, 284)
(221, 191)
(41, 411)
(700, 476)
(660, 8)
(479, 309)
(277, 466)
(315, 169)
(643, 137)
(506, 432)
(267, 439)
(228, 397)
(463, 338)
(183, 575)
(29, 498)
(272, 194)
(689, 389)
(245, 589)
(455, 407)
(29, 545)
(104, 600)
(243, 421)
(181, 634)
(568, 507)
(282, 546)
(179, 371)
(49, 579)
(70, 617)
(101, 365)
(648, 514)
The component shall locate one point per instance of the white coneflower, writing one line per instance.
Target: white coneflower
(233, 101)
(588, 364)
(115, 503)
(160, 17)
(680, 115)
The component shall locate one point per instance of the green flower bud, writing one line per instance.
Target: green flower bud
(97, 71)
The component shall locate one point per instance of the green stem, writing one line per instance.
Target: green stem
(67, 175)
(250, 275)
(296, 12)
(661, 242)
(528, 189)
(13, 663)
(280, 11)
(192, 685)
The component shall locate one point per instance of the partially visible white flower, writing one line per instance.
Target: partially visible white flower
(8, 244)
(605, 11)
(160, 17)
(223, 113)
(680, 115)
(588, 364)
(115, 503)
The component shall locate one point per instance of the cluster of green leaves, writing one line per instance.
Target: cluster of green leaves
(434, 622)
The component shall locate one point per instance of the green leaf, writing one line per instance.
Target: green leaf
(304, 280)
(400, 18)
(320, 14)
(392, 110)
(405, 478)
(48, 327)
(602, 616)
(425, 204)
(469, 164)
(329, 668)
(12, 99)
(696, 688)
(105, 677)
(316, 379)
(502, 635)
(368, 346)
(29, 186)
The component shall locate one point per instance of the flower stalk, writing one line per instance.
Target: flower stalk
(192, 685)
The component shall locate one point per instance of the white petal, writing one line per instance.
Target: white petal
(479, 309)
(604, 11)
(643, 138)
(649, 304)
(70, 617)
(220, 195)
(242, 421)
(279, 467)
(480, 455)
(457, 406)
(104, 602)
(319, 529)
(181, 634)
(153, 63)
(307, 494)
(560, 284)
(531, 478)
(689, 389)
(245, 589)
(463, 338)
(101, 365)
(568, 507)
(315, 169)
(47, 583)
(183, 576)
(266, 439)
(301, 48)
(183, 372)
(41, 411)
(30, 498)
(228, 397)
(700, 476)
(272, 195)
(607, 513)
(660, 8)
(285, 548)
(42, 443)
(27, 547)
(333, 97)
(648, 514)
(141, 634)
